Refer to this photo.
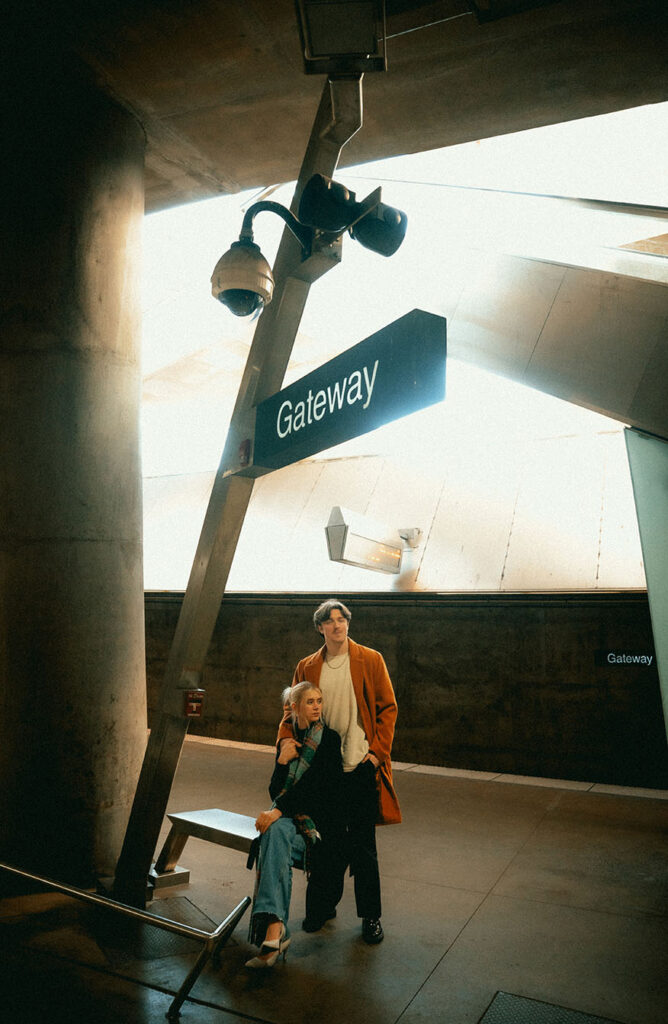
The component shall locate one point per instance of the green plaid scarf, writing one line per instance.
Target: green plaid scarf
(298, 766)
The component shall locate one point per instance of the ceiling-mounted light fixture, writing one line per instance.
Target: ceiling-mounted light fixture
(342, 37)
(242, 279)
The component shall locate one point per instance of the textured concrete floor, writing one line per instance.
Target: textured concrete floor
(553, 891)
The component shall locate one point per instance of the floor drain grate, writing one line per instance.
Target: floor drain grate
(124, 940)
(508, 1009)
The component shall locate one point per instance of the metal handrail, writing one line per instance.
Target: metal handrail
(213, 941)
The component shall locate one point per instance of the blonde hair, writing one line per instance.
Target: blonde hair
(295, 695)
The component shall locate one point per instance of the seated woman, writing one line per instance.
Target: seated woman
(304, 788)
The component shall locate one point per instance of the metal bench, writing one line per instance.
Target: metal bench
(236, 831)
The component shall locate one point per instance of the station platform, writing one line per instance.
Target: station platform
(506, 900)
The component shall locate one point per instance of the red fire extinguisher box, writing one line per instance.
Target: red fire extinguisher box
(193, 703)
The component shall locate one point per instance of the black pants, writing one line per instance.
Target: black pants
(354, 845)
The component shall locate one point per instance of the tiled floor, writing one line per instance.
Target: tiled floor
(555, 892)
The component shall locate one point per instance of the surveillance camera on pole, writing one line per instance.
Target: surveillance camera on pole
(242, 279)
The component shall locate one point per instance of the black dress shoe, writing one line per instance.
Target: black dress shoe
(372, 930)
(314, 924)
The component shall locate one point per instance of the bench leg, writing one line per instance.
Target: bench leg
(171, 851)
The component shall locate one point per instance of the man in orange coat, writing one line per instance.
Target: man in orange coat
(359, 704)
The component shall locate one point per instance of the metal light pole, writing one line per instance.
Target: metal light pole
(339, 116)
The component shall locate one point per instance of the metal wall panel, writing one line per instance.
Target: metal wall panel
(597, 339)
(648, 457)
(551, 514)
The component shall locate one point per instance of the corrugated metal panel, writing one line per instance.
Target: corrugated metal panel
(552, 514)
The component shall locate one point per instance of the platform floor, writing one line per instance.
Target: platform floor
(550, 891)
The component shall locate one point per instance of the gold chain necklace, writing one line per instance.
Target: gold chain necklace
(334, 665)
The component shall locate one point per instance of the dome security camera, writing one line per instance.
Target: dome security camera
(242, 279)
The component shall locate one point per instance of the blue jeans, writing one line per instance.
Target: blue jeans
(280, 845)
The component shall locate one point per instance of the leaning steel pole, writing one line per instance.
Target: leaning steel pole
(339, 116)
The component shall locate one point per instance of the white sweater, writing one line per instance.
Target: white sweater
(340, 712)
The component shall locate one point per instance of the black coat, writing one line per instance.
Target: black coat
(318, 791)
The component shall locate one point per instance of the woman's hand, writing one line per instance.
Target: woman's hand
(267, 818)
(372, 757)
(289, 750)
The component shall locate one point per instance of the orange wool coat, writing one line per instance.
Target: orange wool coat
(378, 712)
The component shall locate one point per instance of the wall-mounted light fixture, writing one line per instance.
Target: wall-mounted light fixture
(342, 37)
(242, 279)
(354, 539)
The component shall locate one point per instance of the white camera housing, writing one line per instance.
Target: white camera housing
(242, 279)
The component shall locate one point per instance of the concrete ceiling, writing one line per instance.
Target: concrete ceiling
(219, 86)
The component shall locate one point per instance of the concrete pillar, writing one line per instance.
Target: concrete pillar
(72, 674)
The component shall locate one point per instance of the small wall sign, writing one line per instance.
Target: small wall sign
(193, 703)
(618, 658)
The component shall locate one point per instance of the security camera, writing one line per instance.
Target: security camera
(242, 279)
(331, 207)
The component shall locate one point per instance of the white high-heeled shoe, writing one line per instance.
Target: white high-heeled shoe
(270, 951)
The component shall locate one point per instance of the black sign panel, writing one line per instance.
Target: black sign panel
(390, 374)
(622, 657)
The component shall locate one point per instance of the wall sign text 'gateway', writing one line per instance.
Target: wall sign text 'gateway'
(390, 374)
(602, 658)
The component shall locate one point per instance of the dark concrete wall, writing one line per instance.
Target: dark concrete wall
(508, 683)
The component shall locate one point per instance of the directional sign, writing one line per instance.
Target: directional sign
(390, 374)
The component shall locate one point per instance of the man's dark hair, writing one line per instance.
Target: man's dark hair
(324, 611)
